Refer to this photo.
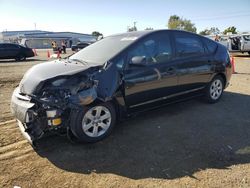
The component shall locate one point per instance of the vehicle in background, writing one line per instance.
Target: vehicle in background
(80, 45)
(235, 42)
(15, 51)
(120, 75)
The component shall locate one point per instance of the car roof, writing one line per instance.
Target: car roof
(140, 34)
(132, 34)
(9, 43)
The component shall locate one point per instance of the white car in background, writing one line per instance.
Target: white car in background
(236, 43)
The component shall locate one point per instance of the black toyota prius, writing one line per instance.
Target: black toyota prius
(87, 93)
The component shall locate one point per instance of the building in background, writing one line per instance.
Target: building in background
(42, 39)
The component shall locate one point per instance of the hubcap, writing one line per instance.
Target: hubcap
(216, 89)
(96, 121)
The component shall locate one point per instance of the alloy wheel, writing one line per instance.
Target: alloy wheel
(216, 89)
(96, 121)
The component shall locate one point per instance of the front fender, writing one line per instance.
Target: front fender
(84, 97)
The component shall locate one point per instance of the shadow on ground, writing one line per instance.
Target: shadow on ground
(167, 143)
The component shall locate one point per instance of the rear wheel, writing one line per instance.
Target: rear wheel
(214, 90)
(20, 57)
(93, 123)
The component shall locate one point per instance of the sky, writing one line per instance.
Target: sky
(114, 16)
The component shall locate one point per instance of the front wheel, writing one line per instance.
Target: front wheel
(93, 123)
(214, 90)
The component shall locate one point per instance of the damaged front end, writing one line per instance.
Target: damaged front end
(48, 107)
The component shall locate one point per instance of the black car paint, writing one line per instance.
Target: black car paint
(128, 87)
(14, 51)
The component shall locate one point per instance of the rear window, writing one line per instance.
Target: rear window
(210, 44)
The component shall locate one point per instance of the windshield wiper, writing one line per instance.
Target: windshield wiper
(79, 60)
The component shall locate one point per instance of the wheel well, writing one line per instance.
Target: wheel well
(223, 77)
(113, 102)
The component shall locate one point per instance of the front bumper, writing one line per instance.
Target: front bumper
(24, 132)
(21, 107)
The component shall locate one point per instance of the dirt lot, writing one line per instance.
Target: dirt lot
(190, 144)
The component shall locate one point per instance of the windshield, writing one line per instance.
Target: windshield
(103, 50)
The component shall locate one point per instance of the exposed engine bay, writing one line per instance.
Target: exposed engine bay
(46, 104)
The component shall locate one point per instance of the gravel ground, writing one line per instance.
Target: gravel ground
(189, 144)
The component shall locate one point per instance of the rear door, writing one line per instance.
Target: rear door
(194, 64)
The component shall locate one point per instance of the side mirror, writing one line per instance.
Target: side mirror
(138, 61)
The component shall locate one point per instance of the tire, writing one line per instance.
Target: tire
(93, 123)
(214, 90)
(248, 53)
(20, 57)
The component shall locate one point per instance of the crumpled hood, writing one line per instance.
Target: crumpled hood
(44, 71)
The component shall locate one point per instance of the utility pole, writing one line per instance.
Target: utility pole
(35, 25)
(134, 24)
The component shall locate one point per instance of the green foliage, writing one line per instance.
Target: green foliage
(96, 34)
(230, 30)
(175, 22)
(211, 31)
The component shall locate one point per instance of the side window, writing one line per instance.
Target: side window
(187, 45)
(155, 48)
(210, 44)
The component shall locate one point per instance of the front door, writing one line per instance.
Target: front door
(155, 79)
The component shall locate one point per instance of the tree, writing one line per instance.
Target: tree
(96, 34)
(211, 31)
(205, 32)
(175, 22)
(230, 30)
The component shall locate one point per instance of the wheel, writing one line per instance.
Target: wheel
(93, 123)
(20, 57)
(214, 90)
(248, 53)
